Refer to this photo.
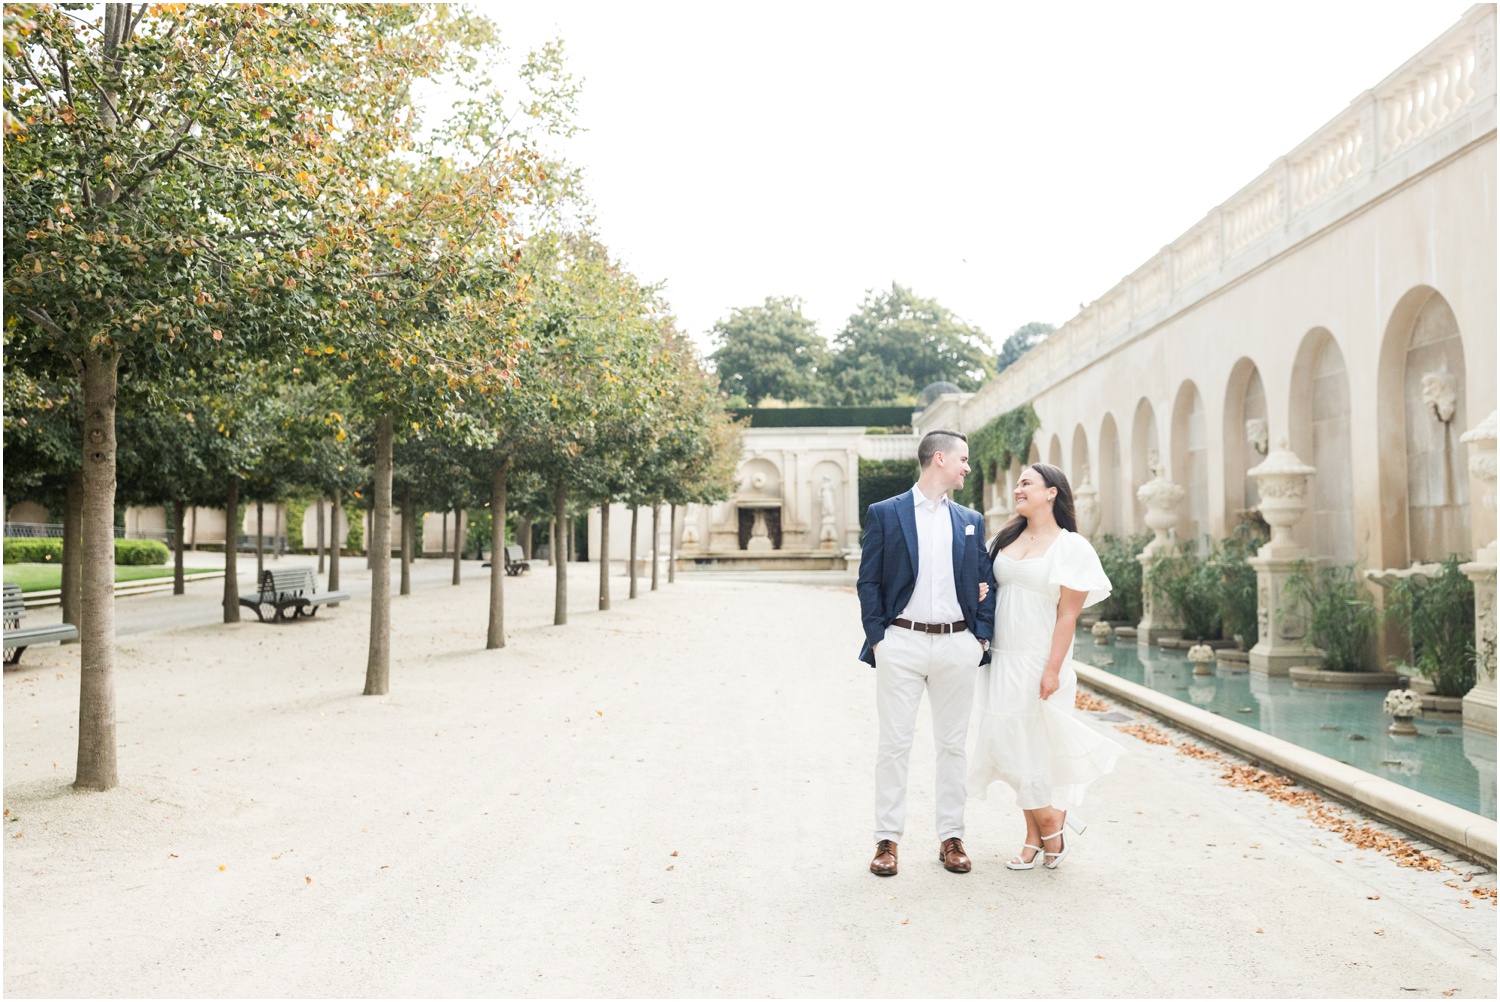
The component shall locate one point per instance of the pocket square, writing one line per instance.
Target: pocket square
(968, 530)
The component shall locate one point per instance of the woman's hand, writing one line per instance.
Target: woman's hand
(1050, 683)
(984, 589)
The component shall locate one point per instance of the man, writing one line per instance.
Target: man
(925, 627)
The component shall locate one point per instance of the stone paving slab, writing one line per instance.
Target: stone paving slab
(668, 799)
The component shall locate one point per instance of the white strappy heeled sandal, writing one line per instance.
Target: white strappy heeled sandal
(1017, 863)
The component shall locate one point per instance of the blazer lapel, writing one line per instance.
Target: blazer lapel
(959, 540)
(908, 519)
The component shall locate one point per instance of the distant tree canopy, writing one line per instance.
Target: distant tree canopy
(893, 346)
(770, 351)
(1023, 340)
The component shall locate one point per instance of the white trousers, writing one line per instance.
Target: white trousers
(906, 662)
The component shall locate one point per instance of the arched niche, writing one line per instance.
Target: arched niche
(1319, 435)
(1054, 452)
(1078, 458)
(1033, 455)
(1247, 438)
(1109, 478)
(1190, 461)
(1145, 450)
(1422, 462)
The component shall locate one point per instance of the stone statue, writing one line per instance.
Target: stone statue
(828, 504)
(1258, 435)
(1440, 393)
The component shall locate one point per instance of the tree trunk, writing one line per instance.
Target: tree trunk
(232, 553)
(604, 555)
(335, 510)
(98, 768)
(458, 539)
(523, 536)
(635, 518)
(672, 545)
(655, 541)
(260, 540)
(378, 668)
(322, 536)
(560, 524)
(72, 566)
(552, 537)
(496, 636)
(408, 539)
(179, 579)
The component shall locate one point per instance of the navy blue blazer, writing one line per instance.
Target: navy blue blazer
(888, 568)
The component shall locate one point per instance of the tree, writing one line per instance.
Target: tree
(160, 205)
(770, 351)
(898, 343)
(1023, 340)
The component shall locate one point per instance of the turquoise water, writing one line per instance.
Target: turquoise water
(1441, 760)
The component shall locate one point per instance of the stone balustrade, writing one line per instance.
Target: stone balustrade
(1439, 101)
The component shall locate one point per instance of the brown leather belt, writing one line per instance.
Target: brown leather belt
(907, 624)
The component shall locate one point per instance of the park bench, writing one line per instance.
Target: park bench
(18, 637)
(293, 589)
(515, 561)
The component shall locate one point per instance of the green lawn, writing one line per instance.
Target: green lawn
(43, 577)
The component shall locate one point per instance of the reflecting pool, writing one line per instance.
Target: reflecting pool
(1350, 727)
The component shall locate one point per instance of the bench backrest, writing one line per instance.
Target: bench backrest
(288, 580)
(15, 605)
(514, 554)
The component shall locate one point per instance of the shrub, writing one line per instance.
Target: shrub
(1237, 584)
(1118, 555)
(1341, 618)
(140, 552)
(354, 528)
(33, 551)
(1189, 585)
(883, 478)
(1438, 615)
(296, 511)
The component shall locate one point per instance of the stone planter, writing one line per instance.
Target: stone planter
(1202, 657)
(1403, 705)
(1318, 678)
(1232, 657)
(1103, 633)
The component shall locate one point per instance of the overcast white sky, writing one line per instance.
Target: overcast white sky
(1012, 160)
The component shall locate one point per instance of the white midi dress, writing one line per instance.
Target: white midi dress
(1041, 749)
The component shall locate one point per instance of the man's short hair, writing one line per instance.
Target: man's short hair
(935, 442)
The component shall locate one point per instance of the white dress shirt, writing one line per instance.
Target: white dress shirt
(934, 599)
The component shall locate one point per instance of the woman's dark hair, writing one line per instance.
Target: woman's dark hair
(1062, 508)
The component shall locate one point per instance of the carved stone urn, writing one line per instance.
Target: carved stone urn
(1161, 498)
(1282, 480)
(1402, 705)
(1202, 656)
(1086, 505)
(1103, 633)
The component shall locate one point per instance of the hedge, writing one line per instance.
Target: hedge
(140, 552)
(825, 417)
(884, 478)
(128, 552)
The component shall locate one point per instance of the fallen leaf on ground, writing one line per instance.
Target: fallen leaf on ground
(904, 921)
(308, 879)
(1372, 897)
(172, 854)
(223, 867)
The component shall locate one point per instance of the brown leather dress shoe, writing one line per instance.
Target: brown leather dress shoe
(884, 863)
(951, 852)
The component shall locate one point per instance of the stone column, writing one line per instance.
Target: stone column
(1282, 481)
(1161, 498)
(1479, 703)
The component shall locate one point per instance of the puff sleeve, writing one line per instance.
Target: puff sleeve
(1075, 565)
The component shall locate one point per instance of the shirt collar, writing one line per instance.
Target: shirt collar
(919, 499)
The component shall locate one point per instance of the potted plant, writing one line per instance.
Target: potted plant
(1437, 612)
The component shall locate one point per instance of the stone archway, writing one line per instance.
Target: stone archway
(1423, 463)
(1190, 461)
(1110, 478)
(1247, 438)
(1319, 433)
(1145, 450)
(1054, 452)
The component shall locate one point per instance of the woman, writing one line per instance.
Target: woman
(1029, 735)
